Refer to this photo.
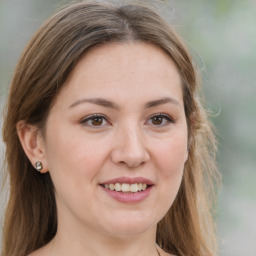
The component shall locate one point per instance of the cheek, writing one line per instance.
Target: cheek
(74, 156)
(171, 156)
(73, 164)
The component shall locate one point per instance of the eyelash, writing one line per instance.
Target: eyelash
(93, 117)
(167, 118)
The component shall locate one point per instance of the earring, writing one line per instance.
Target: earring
(39, 166)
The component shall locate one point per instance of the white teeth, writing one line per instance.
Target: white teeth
(134, 188)
(124, 187)
(118, 187)
(111, 186)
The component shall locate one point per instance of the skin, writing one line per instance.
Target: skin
(81, 153)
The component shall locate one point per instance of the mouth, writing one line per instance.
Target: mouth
(127, 188)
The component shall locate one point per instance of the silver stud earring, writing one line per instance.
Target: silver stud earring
(39, 166)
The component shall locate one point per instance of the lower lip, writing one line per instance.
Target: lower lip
(128, 197)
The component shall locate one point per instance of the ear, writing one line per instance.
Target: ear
(32, 143)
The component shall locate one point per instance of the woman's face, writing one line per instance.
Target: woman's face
(116, 140)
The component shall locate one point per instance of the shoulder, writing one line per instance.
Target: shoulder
(163, 253)
(43, 251)
(37, 253)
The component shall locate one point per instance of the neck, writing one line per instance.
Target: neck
(66, 243)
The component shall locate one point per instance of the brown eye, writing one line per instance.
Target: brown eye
(160, 120)
(157, 120)
(95, 121)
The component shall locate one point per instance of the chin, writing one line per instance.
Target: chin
(129, 232)
(130, 226)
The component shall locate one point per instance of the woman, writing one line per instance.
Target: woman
(108, 149)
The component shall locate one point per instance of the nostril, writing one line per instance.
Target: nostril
(130, 156)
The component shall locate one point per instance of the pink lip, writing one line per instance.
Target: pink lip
(129, 197)
(128, 180)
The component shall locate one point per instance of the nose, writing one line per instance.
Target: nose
(129, 148)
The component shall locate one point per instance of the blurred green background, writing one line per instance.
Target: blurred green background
(221, 35)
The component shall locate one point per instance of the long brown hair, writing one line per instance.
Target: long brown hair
(50, 56)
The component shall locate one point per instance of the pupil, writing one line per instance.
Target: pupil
(97, 121)
(157, 120)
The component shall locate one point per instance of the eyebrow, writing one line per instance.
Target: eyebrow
(162, 101)
(97, 101)
(110, 104)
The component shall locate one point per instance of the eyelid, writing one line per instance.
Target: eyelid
(163, 115)
(85, 119)
(90, 117)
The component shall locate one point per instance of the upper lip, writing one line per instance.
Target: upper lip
(129, 180)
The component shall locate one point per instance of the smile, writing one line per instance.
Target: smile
(126, 188)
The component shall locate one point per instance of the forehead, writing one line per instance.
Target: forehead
(133, 55)
(133, 68)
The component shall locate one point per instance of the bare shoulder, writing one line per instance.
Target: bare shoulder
(43, 251)
(35, 253)
(38, 252)
(167, 254)
(163, 253)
